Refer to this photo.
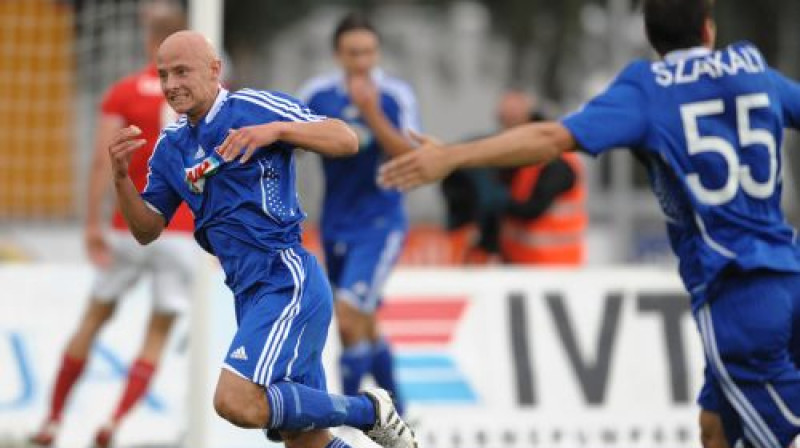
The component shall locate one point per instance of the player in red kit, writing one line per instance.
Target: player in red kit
(119, 259)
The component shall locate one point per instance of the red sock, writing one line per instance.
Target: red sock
(69, 372)
(138, 379)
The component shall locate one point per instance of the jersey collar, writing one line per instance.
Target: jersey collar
(675, 56)
(221, 96)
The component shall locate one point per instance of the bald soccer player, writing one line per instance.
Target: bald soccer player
(230, 158)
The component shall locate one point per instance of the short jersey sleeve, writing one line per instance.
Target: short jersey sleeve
(158, 193)
(616, 118)
(115, 100)
(268, 106)
(789, 93)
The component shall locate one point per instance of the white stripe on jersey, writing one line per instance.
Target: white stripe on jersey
(299, 115)
(278, 101)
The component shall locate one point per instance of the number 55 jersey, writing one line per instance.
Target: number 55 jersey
(708, 125)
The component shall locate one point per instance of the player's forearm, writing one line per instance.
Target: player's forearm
(145, 224)
(329, 137)
(523, 145)
(391, 140)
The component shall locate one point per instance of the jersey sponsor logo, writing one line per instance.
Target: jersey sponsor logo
(239, 354)
(196, 175)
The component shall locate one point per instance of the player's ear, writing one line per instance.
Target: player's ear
(216, 68)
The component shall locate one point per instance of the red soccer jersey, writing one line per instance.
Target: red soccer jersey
(138, 100)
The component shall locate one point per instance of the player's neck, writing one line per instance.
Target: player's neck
(195, 118)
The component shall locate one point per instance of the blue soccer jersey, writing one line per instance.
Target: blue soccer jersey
(235, 205)
(708, 125)
(355, 206)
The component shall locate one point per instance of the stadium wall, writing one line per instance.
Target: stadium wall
(488, 358)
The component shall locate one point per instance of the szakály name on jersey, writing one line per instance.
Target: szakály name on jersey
(745, 59)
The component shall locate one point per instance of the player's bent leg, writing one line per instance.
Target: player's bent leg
(712, 434)
(241, 401)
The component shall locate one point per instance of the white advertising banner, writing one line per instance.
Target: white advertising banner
(486, 358)
(547, 358)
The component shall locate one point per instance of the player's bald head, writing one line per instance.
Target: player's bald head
(189, 70)
(188, 43)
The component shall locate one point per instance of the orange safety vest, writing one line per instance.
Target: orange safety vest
(557, 236)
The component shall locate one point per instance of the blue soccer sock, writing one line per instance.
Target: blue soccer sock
(337, 443)
(354, 363)
(295, 407)
(383, 371)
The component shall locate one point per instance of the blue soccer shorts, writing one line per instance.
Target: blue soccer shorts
(358, 269)
(750, 331)
(283, 323)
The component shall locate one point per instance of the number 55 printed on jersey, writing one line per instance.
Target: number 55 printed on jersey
(738, 174)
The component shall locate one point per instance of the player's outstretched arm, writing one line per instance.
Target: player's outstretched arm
(329, 137)
(523, 145)
(145, 224)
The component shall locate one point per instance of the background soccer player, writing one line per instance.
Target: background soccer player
(120, 261)
(230, 158)
(363, 226)
(708, 125)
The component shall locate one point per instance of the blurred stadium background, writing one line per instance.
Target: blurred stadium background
(489, 357)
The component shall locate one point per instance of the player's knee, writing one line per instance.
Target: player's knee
(238, 411)
(353, 325)
(244, 405)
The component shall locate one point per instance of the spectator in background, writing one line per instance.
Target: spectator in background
(545, 218)
(527, 215)
(363, 225)
(120, 261)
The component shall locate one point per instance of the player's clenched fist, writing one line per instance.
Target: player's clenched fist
(248, 139)
(428, 163)
(121, 149)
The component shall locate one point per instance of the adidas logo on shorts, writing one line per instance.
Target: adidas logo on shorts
(239, 354)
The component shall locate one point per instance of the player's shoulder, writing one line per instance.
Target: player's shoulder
(248, 95)
(638, 70)
(319, 85)
(247, 99)
(395, 86)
